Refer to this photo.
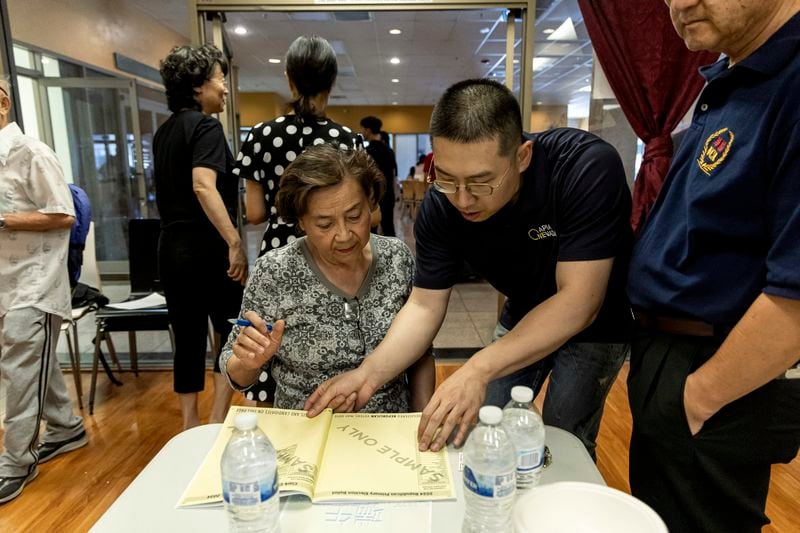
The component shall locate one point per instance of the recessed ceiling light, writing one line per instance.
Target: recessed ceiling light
(541, 62)
(395, 61)
(395, 31)
(394, 103)
(485, 30)
(395, 80)
(548, 31)
(240, 30)
(274, 60)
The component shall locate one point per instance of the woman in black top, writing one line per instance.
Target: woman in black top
(202, 262)
(269, 148)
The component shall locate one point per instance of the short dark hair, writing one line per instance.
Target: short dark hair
(186, 68)
(321, 166)
(372, 123)
(478, 110)
(311, 67)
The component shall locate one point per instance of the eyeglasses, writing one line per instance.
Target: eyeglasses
(475, 189)
(4, 92)
(352, 314)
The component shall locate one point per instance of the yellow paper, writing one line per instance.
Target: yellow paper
(341, 457)
(376, 457)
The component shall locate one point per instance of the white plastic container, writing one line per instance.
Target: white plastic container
(577, 507)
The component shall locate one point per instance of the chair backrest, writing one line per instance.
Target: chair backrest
(90, 273)
(407, 187)
(419, 189)
(143, 236)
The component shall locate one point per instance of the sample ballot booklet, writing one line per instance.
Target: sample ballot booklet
(349, 457)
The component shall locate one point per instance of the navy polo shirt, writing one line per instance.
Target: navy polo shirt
(726, 225)
(573, 205)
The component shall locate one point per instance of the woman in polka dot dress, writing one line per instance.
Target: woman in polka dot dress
(311, 69)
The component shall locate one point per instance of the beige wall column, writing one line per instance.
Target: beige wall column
(510, 21)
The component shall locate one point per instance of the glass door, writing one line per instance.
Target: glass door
(94, 124)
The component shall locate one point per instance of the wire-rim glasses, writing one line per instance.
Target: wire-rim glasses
(352, 314)
(475, 189)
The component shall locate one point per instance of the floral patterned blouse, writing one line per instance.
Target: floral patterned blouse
(327, 332)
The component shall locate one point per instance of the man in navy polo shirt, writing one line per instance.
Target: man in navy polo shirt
(715, 280)
(543, 218)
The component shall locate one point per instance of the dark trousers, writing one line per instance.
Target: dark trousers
(387, 211)
(193, 267)
(717, 480)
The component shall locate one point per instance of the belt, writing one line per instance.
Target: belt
(679, 326)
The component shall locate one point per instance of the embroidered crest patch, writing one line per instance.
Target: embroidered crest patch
(715, 150)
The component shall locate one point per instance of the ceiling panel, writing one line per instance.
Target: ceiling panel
(436, 49)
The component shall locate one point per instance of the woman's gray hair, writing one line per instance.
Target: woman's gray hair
(322, 166)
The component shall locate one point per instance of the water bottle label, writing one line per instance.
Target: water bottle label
(249, 493)
(490, 486)
(528, 460)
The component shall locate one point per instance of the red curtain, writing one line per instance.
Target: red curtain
(654, 78)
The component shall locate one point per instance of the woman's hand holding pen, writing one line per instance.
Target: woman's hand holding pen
(257, 343)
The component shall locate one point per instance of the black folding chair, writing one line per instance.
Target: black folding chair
(143, 237)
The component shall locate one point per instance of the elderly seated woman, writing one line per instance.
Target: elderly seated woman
(329, 296)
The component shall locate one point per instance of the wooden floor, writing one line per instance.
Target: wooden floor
(131, 423)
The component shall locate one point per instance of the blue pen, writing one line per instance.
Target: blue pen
(241, 322)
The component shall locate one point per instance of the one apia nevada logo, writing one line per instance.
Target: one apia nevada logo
(545, 231)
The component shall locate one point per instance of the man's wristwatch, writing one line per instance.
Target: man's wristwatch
(2, 222)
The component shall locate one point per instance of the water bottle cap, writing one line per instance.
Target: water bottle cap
(490, 414)
(522, 394)
(245, 421)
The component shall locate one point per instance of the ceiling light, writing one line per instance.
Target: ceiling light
(394, 93)
(548, 31)
(395, 31)
(585, 89)
(240, 30)
(395, 80)
(395, 61)
(394, 103)
(516, 61)
(274, 60)
(565, 32)
(539, 102)
(485, 30)
(540, 63)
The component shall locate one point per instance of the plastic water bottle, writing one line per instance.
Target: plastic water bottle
(524, 425)
(489, 475)
(250, 479)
